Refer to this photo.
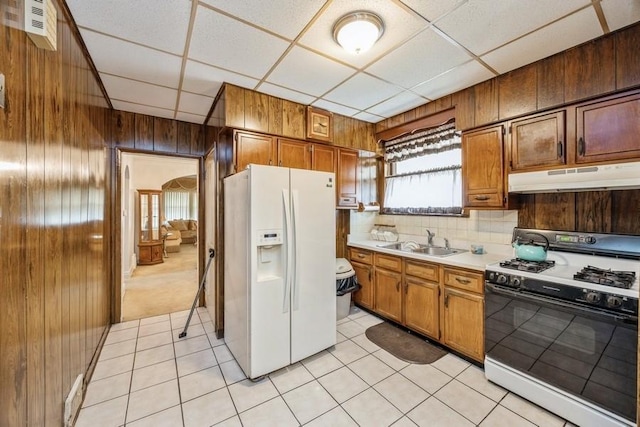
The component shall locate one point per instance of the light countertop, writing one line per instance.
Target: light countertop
(463, 260)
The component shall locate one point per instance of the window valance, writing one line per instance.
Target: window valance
(429, 141)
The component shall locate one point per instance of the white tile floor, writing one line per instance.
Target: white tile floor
(147, 376)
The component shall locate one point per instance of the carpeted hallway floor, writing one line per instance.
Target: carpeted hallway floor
(162, 288)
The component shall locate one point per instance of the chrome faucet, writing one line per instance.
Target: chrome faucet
(430, 236)
(446, 243)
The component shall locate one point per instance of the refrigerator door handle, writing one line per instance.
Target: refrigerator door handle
(296, 249)
(288, 238)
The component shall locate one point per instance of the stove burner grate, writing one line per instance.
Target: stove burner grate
(529, 266)
(607, 277)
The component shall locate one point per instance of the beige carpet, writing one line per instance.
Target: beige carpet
(162, 288)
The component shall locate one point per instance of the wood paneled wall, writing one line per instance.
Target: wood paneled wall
(54, 225)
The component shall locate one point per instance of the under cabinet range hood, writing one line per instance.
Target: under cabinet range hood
(618, 176)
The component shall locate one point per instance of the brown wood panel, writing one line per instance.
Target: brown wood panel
(627, 58)
(590, 69)
(165, 135)
(234, 106)
(593, 211)
(443, 103)
(123, 129)
(342, 231)
(275, 115)
(323, 158)
(184, 137)
(550, 87)
(486, 102)
(256, 111)
(293, 119)
(197, 139)
(464, 102)
(625, 210)
(517, 92)
(144, 132)
(555, 211)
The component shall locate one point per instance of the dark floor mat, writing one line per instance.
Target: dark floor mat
(403, 345)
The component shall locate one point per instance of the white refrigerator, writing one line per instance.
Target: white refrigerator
(279, 266)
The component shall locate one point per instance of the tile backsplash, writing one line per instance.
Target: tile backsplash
(480, 226)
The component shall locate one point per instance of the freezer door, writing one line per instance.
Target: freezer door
(313, 290)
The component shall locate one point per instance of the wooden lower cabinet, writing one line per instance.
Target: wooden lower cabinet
(388, 294)
(463, 322)
(150, 253)
(364, 296)
(421, 307)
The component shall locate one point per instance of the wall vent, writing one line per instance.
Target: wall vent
(40, 23)
(73, 402)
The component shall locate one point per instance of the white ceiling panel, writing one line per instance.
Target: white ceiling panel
(307, 72)
(191, 118)
(368, 117)
(454, 80)
(284, 17)
(117, 57)
(546, 42)
(284, 93)
(336, 108)
(399, 25)
(142, 109)
(418, 60)
(433, 9)
(207, 80)
(194, 104)
(133, 91)
(620, 13)
(159, 24)
(401, 102)
(227, 43)
(362, 91)
(501, 21)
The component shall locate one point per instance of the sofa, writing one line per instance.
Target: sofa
(188, 229)
(172, 240)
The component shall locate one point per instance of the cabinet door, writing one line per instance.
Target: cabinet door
(323, 158)
(608, 130)
(294, 154)
(364, 296)
(388, 294)
(538, 141)
(254, 148)
(483, 167)
(463, 328)
(347, 178)
(421, 304)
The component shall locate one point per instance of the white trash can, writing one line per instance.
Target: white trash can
(346, 283)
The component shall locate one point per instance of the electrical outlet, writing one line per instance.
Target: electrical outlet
(2, 90)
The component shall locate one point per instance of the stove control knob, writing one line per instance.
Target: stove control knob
(593, 297)
(613, 301)
(502, 279)
(515, 282)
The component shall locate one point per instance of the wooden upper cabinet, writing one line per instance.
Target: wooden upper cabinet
(234, 106)
(486, 102)
(538, 141)
(347, 178)
(517, 91)
(483, 168)
(608, 130)
(323, 158)
(293, 119)
(294, 154)
(590, 69)
(254, 148)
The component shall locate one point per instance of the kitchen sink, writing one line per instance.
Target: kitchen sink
(408, 246)
(438, 251)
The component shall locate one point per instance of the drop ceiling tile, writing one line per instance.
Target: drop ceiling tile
(124, 59)
(454, 80)
(420, 59)
(159, 24)
(399, 23)
(336, 108)
(284, 17)
(191, 118)
(433, 9)
(138, 92)
(195, 104)
(620, 13)
(362, 91)
(207, 80)
(142, 109)
(307, 72)
(281, 92)
(398, 104)
(367, 117)
(502, 21)
(546, 42)
(221, 41)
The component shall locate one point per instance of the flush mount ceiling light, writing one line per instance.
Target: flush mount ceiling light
(356, 32)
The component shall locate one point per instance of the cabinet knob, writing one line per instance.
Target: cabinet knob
(398, 287)
(581, 146)
(360, 255)
(482, 197)
(560, 149)
(463, 281)
(446, 300)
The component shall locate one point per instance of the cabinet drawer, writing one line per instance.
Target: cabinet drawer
(486, 199)
(388, 262)
(464, 280)
(422, 270)
(347, 201)
(360, 255)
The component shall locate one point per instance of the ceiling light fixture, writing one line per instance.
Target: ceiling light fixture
(356, 32)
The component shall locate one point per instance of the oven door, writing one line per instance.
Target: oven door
(580, 350)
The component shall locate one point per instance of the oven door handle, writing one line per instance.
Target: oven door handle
(616, 317)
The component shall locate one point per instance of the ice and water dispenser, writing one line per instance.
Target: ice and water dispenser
(270, 254)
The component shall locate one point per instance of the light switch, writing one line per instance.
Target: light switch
(2, 90)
